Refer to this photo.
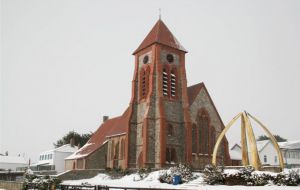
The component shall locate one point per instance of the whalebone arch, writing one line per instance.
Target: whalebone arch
(247, 131)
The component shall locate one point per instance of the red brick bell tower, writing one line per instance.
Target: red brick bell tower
(159, 130)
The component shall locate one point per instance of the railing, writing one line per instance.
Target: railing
(101, 187)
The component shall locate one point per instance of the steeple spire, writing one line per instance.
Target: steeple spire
(162, 35)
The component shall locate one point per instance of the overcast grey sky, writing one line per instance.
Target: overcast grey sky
(66, 63)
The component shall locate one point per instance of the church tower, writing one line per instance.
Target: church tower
(159, 121)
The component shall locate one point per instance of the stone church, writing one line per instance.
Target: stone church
(166, 122)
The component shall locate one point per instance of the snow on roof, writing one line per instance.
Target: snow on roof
(77, 154)
(12, 160)
(63, 148)
(261, 144)
(66, 148)
(290, 144)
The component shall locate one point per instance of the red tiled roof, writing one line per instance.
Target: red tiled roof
(110, 127)
(162, 35)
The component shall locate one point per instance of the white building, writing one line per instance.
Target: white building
(268, 156)
(235, 153)
(54, 160)
(291, 153)
(12, 162)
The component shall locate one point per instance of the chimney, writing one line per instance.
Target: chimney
(105, 118)
(72, 142)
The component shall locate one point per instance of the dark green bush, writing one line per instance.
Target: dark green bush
(182, 170)
(287, 179)
(247, 177)
(32, 181)
(213, 175)
(144, 172)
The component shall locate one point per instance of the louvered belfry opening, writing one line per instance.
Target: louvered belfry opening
(173, 83)
(144, 80)
(143, 83)
(169, 83)
(165, 83)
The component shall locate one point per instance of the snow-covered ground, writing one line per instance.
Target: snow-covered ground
(151, 181)
(133, 180)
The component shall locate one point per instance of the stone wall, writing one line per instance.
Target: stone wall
(203, 102)
(97, 160)
(80, 174)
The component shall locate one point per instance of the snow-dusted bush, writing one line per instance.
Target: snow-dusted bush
(261, 179)
(182, 170)
(213, 175)
(144, 172)
(246, 176)
(32, 181)
(116, 173)
(289, 179)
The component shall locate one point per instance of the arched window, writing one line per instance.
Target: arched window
(173, 83)
(144, 81)
(122, 149)
(212, 139)
(165, 82)
(117, 151)
(140, 160)
(171, 156)
(194, 140)
(170, 130)
(203, 133)
(112, 150)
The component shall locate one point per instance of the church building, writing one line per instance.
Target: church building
(166, 122)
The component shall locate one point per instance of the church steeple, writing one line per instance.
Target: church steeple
(160, 116)
(162, 35)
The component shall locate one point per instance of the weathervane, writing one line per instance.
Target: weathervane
(159, 15)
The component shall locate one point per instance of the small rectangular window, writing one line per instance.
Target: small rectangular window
(265, 158)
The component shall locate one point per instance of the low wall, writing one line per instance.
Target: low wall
(45, 172)
(10, 185)
(275, 169)
(79, 174)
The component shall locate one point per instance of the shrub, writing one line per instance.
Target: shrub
(32, 181)
(182, 170)
(289, 179)
(213, 175)
(247, 177)
(144, 172)
(116, 173)
(262, 179)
